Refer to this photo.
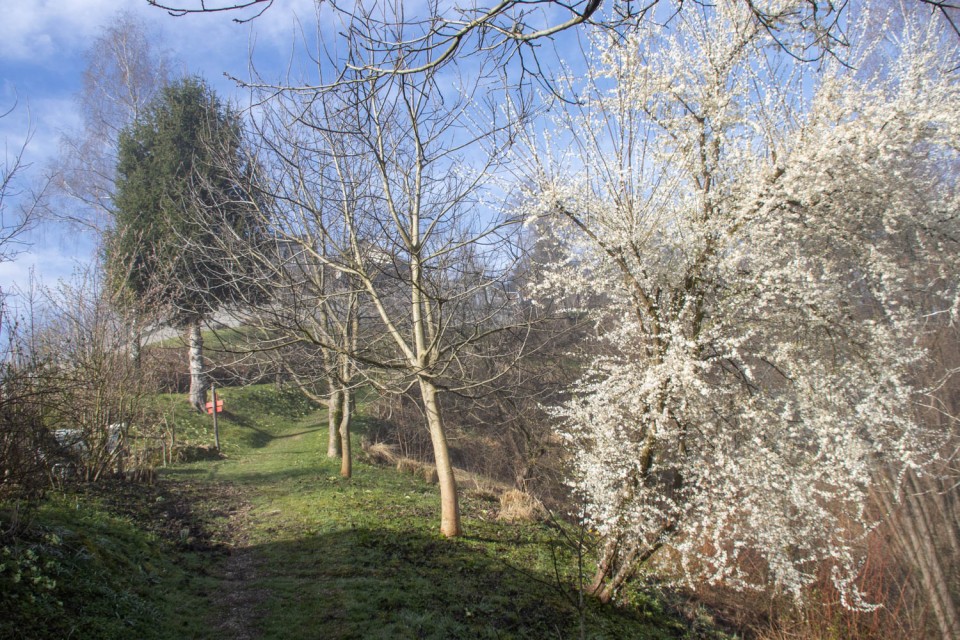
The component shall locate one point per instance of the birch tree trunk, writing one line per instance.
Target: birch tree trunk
(198, 381)
(334, 419)
(346, 458)
(136, 342)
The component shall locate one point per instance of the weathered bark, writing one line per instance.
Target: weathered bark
(136, 343)
(198, 380)
(346, 459)
(618, 564)
(334, 419)
(449, 503)
(604, 567)
(606, 582)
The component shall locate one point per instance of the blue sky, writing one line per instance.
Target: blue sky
(42, 43)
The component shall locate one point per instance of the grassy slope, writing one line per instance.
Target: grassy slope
(274, 544)
(81, 571)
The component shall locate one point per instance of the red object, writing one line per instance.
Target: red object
(219, 407)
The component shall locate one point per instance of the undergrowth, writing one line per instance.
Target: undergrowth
(77, 571)
(270, 542)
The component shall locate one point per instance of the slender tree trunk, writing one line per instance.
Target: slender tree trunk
(606, 581)
(334, 418)
(449, 502)
(346, 460)
(605, 586)
(913, 534)
(604, 568)
(136, 343)
(921, 533)
(198, 381)
(945, 496)
(619, 564)
(216, 422)
(348, 401)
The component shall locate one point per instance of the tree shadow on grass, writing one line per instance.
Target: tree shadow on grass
(253, 436)
(256, 437)
(379, 583)
(270, 477)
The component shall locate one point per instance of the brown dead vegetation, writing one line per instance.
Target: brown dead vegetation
(517, 506)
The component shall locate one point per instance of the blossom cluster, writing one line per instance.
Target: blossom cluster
(770, 243)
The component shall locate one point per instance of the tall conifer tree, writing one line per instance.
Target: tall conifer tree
(178, 194)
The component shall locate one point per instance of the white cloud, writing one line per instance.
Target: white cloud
(41, 29)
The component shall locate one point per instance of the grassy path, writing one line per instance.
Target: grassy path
(270, 542)
(315, 556)
(312, 555)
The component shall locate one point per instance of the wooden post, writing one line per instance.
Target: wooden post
(216, 427)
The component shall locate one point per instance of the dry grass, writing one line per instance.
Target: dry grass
(387, 455)
(518, 506)
(429, 473)
(409, 466)
(381, 453)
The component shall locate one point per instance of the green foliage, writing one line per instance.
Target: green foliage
(189, 426)
(179, 197)
(252, 416)
(268, 402)
(27, 576)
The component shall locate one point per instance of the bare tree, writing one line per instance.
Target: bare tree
(126, 67)
(99, 392)
(514, 29)
(378, 183)
(19, 200)
(318, 311)
(21, 396)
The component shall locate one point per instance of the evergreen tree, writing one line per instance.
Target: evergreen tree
(179, 193)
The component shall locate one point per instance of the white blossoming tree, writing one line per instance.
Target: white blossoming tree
(770, 239)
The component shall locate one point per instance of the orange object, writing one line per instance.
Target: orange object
(219, 407)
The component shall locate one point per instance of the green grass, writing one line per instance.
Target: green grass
(221, 338)
(313, 555)
(81, 572)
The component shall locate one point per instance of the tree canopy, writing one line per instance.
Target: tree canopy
(126, 69)
(174, 194)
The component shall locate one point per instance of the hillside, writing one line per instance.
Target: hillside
(269, 542)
